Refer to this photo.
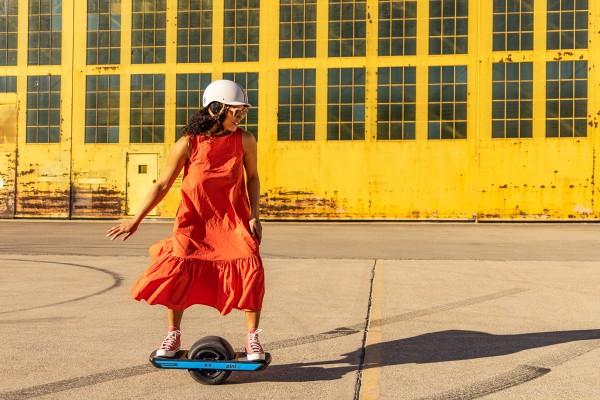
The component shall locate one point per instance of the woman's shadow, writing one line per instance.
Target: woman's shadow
(451, 345)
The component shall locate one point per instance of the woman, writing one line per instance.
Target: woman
(213, 256)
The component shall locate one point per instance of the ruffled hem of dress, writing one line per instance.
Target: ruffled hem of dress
(179, 283)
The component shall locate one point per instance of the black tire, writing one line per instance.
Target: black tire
(210, 348)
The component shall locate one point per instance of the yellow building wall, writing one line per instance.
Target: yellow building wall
(43, 171)
(478, 178)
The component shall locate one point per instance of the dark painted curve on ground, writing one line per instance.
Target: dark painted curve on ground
(117, 281)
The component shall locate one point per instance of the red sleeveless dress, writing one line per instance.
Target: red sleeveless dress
(211, 259)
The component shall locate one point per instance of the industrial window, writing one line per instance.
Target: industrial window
(148, 31)
(567, 24)
(103, 32)
(566, 99)
(45, 29)
(396, 103)
(194, 31)
(8, 84)
(447, 102)
(8, 32)
(43, 109)
(297, 99)
(147, 109)
(188, 98)
(346, 104)
(448, 26)
(513, 25)
(397, 28)
(347, 28)
(102, 106)
(512, 100)
(297, 28)
(249, 81)
(241, 31)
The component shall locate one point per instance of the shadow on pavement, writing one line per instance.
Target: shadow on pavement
(452, 345)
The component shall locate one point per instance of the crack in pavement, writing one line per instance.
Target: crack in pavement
(363, 350)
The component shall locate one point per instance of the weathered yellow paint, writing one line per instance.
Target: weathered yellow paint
(43, 182)
(474, 178)
(8, 153)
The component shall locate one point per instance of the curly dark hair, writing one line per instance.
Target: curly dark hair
(201, 122)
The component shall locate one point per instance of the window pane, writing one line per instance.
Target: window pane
(297, 29)
(444, 18)
(346, 104)
(566, 99)
(296, 105)
(103, 32)
(447, 105)
(241, 33)
(396, 103)
(513, 25)
(44, 34)
(567, 25)
(43, 117)
(148, 32)
(147, 120)
(8, 32)
(347, 28)
(397, 27)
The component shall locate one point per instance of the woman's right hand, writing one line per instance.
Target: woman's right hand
(126, 228)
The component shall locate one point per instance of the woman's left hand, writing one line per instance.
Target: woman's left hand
(256, 229)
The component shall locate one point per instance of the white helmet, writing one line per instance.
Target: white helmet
(226, 92)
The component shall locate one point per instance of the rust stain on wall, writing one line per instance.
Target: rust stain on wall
(7, 184)
(298, 204)
(560, 55)
(28, 172)
(522, 201)
(8, 163)
(33, 202)
(97, 201)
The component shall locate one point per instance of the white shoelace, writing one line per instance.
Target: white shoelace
(255, 346)
(170, 340)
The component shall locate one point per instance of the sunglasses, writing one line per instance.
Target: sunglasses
(239, 112)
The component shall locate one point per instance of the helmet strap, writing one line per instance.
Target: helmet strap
(217, 118)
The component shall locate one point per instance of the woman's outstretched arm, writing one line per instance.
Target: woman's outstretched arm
(179, 155)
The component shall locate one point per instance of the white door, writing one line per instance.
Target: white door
(142, 173)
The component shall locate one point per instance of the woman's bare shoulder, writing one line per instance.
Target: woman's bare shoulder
(248, 136)
(184, 145)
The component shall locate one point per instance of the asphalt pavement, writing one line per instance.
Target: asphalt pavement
(353, 310)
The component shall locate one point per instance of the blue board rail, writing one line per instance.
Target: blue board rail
(180, 361)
